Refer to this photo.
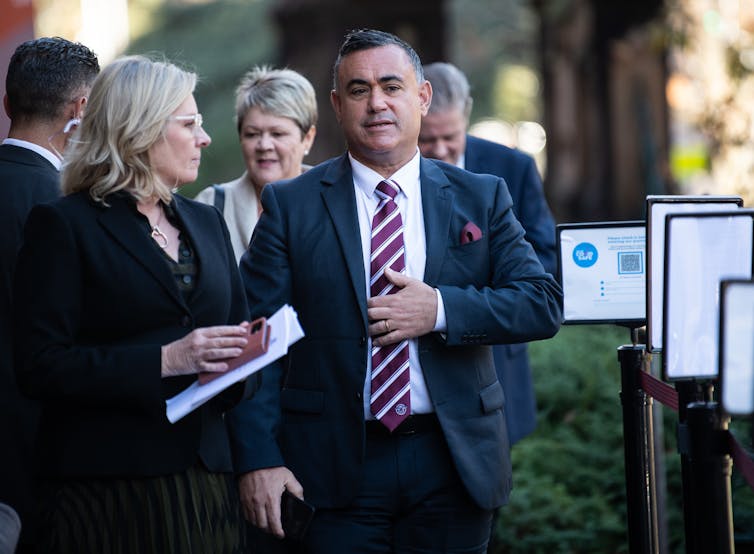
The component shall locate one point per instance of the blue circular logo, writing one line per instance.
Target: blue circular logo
(585, 255)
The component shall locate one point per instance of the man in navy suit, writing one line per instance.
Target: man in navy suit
(423, 472)
(46, 88)
(443, 137)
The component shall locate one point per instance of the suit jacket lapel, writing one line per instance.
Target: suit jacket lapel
(437, 203)
(340, 201)
(122, 225)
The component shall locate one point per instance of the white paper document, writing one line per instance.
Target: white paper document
(284, 331)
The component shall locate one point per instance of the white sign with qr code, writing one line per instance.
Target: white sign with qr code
(603, 269)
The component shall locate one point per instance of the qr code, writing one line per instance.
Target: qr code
(630, 262)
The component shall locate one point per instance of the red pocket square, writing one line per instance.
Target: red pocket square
(470, 233)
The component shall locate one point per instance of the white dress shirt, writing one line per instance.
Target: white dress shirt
(409, 201)
(46, 154)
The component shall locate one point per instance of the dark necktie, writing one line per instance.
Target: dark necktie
(390, 385)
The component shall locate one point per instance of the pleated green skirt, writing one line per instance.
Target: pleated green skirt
(191, 512)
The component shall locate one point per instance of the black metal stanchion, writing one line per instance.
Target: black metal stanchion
(688, 392)
(711, 467)
(638, 441)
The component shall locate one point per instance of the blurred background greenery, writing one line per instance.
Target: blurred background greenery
(615, 100)
(223, 39)
(568, 476)
(220, 41)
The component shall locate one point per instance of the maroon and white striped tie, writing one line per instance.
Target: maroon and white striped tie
(390, 395)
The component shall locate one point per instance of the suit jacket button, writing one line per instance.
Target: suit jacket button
(185, 321)
(359, 395)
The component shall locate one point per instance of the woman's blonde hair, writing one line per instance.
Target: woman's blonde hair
(128, 108)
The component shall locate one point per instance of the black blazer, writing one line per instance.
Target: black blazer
(94, 303)
(306, 251)
(26, 179)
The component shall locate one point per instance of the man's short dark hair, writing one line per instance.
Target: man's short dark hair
(365, 39)
(45, 74)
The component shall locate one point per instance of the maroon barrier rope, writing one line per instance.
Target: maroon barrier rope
(667, 395)
(742, 460)
(659, 390)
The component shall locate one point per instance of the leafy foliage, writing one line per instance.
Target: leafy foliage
(569, 492)
(569, 480)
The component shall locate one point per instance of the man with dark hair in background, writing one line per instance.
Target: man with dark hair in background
(47, 85)
(388, 415)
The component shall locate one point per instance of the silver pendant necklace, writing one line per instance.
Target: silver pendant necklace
(160, 238)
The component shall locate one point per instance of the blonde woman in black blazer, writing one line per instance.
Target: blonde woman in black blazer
(124, 291)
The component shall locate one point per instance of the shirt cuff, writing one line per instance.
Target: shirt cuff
(441, 324)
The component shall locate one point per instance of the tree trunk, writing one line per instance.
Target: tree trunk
(604, 108)
(312, 31)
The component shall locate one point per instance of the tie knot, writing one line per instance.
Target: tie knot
(387, 188)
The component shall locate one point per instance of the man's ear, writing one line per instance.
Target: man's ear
(309, 139)
(467, 109)
(425, 96)
(78, 109)
(6, 106)
(335, 101)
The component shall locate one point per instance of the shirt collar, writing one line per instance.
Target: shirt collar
(407, 176)
(46, 154)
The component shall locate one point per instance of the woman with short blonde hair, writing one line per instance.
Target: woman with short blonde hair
(276, 118)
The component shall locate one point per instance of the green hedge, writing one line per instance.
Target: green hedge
(569, 481)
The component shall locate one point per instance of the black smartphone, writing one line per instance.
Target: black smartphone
(296, 515)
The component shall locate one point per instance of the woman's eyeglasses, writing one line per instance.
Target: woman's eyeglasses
(195, 118)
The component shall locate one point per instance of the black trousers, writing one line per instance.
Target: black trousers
(411, 500)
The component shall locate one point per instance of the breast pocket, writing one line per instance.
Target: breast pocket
(467, 264)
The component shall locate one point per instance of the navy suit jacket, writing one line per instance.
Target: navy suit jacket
(94, 301)
(530, 206)
(26, 179)
(306, 251)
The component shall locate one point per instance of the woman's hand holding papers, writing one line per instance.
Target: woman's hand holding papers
(204, 350)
